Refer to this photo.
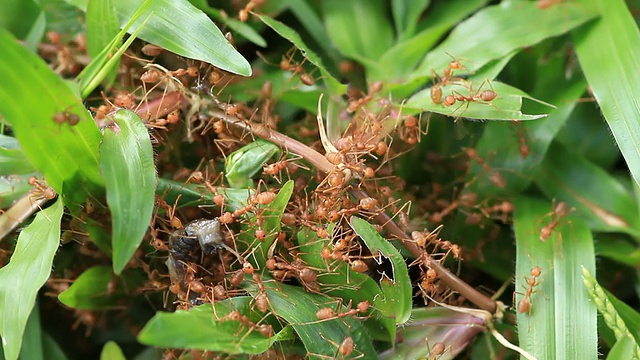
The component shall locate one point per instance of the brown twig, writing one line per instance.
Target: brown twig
(322, 164)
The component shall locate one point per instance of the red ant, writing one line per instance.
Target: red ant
(480, 96)
(560, 210)
(524, 305)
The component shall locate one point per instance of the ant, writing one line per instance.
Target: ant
(65, 117)
(524, 305)
(446, 79)
(560, 210)
(480, 96)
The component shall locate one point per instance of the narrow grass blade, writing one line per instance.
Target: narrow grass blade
(32, 339)
(603, 201)
(63, 153)
(358, 28)
(291, 35)
(396, 287)
(238, 26)
(27, 271)
(101, 65)
(126, 158)
(102, 27)
(271, 223)
(609, 54)
(556, 320)
(514, 163)
(406, 15)
(180, 27)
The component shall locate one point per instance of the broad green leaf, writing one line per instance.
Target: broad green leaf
(601, 199)
(609, 55)
(291, 35)
(111, 351)
(396, 287)
(359, 287)
(498, 30)
(17, 16)
(25, 274)
(215, 331)
(360, 29)
(126, 158)
(560, 320)
(180, 27)
(36, 32)
(321, 338)
(506, 106)
(52, 348)
(242, 164)
(97, 288)
(64, 154)
(102, 27)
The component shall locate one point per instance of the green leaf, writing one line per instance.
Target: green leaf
(406, 14)
(196, 194)
(126, 158)
(102, 64)
(111, 351)
(215, 331)
(514, 165)
(97, 288)
(271, 223)
(244, 163)
(335, 274)
(560, 322)
(498, 30)
(238, 26)
(13, 161)
(609, 57)
(102, 27)
(291, 35)
(506, 106)
(321, 338)
(32, 339)
(64, 154)
(623, 349)
(180, 27)
(358, 28)
(396, 287)
(27, 271)
(602, 201)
